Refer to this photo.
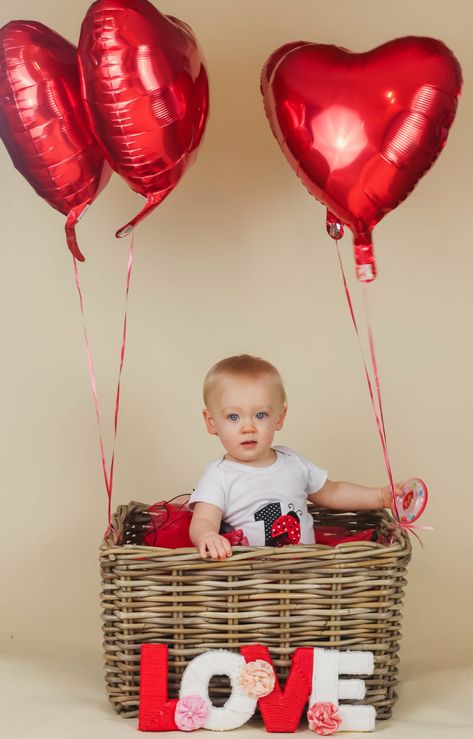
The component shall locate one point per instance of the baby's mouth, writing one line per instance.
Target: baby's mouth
(248, 443)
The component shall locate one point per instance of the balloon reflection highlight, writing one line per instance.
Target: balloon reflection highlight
(338, 133)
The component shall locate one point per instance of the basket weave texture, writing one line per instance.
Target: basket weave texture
(344, 597)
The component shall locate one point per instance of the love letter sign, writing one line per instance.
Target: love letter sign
(313, 679)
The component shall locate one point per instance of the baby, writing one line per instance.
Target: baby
(256, 487)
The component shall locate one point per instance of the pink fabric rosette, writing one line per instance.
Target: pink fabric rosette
(324, 718)
(257, 678)
(191, 712)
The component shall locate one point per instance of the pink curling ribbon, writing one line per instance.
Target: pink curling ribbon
(108, 475)
(376, 402)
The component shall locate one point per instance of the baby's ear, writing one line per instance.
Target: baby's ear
(209, 422)
(282, 416)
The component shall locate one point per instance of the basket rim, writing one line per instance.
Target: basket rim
(400, 544)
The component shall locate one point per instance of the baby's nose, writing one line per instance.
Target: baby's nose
(247, 425)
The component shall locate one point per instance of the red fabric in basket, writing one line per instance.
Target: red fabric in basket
(169, 523)
(333, 535)
(169, 527)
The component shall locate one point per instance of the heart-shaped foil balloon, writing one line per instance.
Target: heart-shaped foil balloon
(360, 130)
(145, 87)
(43, 123)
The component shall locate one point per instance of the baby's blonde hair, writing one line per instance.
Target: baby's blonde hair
(241, 365)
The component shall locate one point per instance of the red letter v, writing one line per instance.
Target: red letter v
(281, 711)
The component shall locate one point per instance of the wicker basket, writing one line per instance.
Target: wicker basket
(344, 597)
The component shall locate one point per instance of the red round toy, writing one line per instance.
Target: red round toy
(411, 503)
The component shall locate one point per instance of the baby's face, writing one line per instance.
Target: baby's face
(244, 413)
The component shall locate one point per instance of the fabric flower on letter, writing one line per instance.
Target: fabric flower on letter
(257, 678)
(324, 718)
(191, 712)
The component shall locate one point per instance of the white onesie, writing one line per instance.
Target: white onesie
(269, 504)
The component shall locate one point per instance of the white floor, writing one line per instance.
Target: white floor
(53, 698)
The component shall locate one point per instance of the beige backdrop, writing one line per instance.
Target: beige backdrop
(236, 260)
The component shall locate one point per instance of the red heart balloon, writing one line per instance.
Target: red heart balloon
(361, 129)
(43, 123)
(146, 91)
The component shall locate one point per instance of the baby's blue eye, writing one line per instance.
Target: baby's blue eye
(232, 417)
(261, 415)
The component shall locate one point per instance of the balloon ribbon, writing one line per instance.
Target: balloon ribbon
(107, 474)
(376, 402)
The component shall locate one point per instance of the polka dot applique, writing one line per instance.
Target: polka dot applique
(279, 529)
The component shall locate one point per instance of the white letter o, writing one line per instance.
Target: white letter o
(239, 707)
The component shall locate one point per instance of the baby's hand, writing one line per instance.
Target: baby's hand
(387, 498)
(217, 546)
